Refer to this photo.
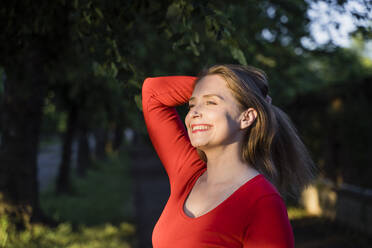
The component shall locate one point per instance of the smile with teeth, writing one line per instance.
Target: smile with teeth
(200, 128)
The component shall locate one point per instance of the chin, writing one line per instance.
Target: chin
(196, 144)
(199, 144)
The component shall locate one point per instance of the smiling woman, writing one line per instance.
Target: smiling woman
(213, 104)
(229, 170)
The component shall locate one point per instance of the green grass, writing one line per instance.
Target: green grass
(99, 213)
(39, 236)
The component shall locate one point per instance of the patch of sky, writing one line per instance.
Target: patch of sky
(330, 24)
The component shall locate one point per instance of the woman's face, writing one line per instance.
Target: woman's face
(214, 117)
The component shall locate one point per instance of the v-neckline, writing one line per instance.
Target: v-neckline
(191, 186)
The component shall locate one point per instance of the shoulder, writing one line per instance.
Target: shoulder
(260, 196)
(262, 200)
(259, 187)
(268, 223)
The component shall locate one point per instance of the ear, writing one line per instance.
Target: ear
(247, 118)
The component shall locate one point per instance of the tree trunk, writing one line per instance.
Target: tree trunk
(63, 179)
(118, 135)
(24, 91)
(101, 137)
(84, 160)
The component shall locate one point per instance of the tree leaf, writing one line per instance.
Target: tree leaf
(238, 54)
(138, 101)
(99, 12)
(114, 70)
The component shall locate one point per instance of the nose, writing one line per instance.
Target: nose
(195, 113)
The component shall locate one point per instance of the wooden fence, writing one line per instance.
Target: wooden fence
(347, 204)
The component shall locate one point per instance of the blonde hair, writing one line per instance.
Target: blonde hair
(271, 144)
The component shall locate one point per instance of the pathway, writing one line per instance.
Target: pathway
(48, 162)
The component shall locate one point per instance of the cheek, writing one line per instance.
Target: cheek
(233, 125)
(187, 120)
(228, 124)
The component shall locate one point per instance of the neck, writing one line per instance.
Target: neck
(225, 165)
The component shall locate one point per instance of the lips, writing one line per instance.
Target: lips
(200, 127)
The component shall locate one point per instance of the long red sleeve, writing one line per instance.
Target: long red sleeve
(254, 216)
(166, 130)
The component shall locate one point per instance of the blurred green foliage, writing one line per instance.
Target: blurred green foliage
(104, 195)
(334, 118)
(100, 52)
(100, 214)
(64, 236)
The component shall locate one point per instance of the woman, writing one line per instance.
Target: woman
(229, 170)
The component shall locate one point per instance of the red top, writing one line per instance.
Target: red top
(253, 216)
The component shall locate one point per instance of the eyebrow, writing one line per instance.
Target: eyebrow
(208, 96)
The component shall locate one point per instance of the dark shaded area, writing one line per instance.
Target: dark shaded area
(21, 119)
(317, 232)
(63, 180)
(335, 123)
(151, 191)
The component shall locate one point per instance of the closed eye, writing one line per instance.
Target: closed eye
(190, 106)
(207, 102)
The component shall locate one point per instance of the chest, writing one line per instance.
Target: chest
(220, 225)
(197, 217)
(202, 199)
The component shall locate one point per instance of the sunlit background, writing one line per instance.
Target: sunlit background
(77, 168)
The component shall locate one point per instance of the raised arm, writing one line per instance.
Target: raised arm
(169, 137)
